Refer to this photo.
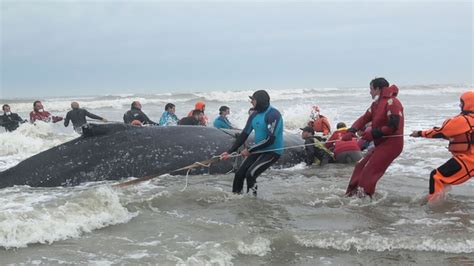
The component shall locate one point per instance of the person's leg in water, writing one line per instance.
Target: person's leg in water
(374, 166)
(240, 174)
(356, 174)
(454, 172)
(263, 162)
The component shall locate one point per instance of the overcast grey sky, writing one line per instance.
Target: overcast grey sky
(102, 47)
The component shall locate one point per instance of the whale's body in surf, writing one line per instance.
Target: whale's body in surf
(116, 151)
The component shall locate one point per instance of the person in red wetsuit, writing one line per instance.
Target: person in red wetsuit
(386, 114)
(319, 122)
(459, 130)
(39, 113)
(344, 151)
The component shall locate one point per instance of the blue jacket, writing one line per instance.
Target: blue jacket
(168, 119)
(268, 126)
(222, 122)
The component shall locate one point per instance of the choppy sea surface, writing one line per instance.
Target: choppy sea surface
(300, 216)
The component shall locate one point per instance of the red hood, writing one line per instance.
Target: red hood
(390, 91)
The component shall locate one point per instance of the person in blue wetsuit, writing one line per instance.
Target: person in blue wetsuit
(222, 121)
(267, 123)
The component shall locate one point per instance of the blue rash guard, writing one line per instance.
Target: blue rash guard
(168, 119)
(268, 126)
(222, 122)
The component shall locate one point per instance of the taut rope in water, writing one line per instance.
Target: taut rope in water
(216, 158)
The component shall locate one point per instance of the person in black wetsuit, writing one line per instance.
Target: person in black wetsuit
(10, 121)
(317, 151)
(193, 120)
(78, 117)
(267, 123)
(135, 113)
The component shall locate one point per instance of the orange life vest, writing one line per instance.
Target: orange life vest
(463, 142)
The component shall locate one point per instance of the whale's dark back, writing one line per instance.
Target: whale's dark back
(115, 151)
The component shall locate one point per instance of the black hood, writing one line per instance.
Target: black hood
(263, 100)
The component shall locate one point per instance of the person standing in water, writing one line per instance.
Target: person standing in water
(319, 122)
(10, 121)
(268, 125)
(459, 130)
(78, 117)
(39, 113)
(386, 114)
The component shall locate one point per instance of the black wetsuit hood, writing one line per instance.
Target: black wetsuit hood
(263, 100)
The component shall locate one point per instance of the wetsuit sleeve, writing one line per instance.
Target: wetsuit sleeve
(451, 127)
(93, 116)
(310, 151)
(242, 137)
(17, 118)
(147, 120)
(362, 121)
(272, 121)
(67, 119)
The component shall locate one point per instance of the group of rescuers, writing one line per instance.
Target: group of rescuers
(379, 130)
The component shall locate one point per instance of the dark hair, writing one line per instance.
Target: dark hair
(6, 105)
(340, 125)
(35, 102)
(379, 83)
(133, 104)
(223, 109)
(169, 106)
(197, 112)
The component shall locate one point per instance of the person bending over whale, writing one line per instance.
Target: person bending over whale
(344, 151)
(193, 120)
(459, 130)
(315, 153)
(268, 125)
(78, 117)
(386, 114)
(136, 113)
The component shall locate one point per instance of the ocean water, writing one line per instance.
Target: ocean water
(300, 216)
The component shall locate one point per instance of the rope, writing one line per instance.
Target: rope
(213, 158)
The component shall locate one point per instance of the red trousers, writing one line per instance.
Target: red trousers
(371, 168)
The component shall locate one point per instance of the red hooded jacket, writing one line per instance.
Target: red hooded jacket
(386, 114)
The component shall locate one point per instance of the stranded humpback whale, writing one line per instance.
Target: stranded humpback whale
(116, 151)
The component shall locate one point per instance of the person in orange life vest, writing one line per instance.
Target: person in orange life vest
(202, 119)
(39, 113)
(344, 151)
(459, 130)
(386, 114)
(319, 122)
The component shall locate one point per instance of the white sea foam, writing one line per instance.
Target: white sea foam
(208, 253)
(375, 242)
(67, 215)
(259, 247)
